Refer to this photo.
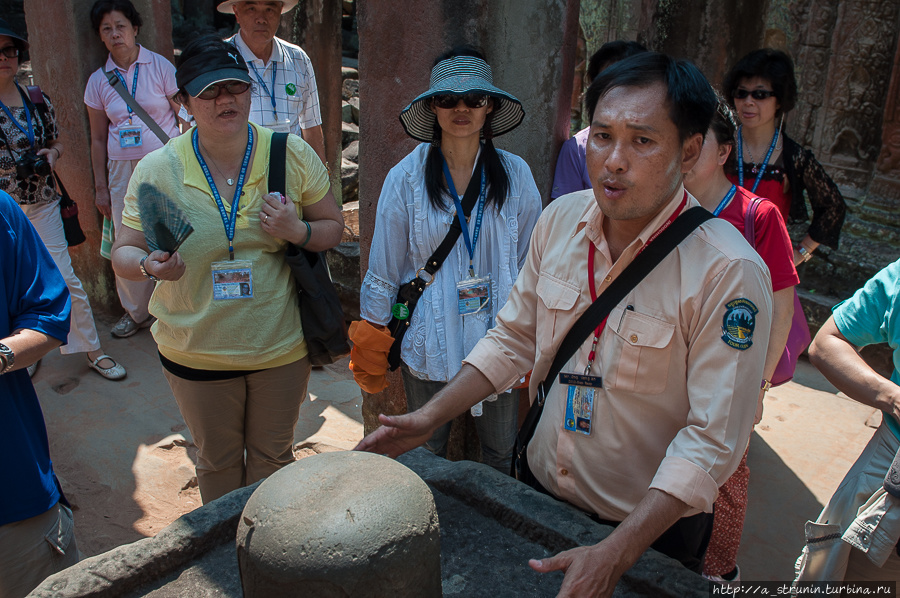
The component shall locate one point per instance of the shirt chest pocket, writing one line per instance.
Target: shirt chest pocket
(557, 297)
(639, 352)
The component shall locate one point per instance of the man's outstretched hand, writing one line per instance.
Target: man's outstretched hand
(397, 434)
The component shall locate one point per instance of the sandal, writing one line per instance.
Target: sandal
(116, 372)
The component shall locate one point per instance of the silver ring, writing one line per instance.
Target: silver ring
(266, 220)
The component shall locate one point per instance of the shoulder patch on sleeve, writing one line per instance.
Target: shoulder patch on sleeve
(738, 323)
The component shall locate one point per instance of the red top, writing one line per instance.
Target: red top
(772, 241)
(771, 186)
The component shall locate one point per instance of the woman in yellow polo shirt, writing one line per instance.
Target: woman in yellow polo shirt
(228, 329)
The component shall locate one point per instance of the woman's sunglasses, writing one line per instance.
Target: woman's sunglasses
(235, 88)
(10, 51)
(757, 94)
(472, 100)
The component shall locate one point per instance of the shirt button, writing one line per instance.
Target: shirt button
(608, 278)
(634, 338)
(564, 472)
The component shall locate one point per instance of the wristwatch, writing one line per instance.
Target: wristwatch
(804, 254)
(144, 271)
(7, 359)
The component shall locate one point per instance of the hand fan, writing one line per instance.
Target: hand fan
(165, 225)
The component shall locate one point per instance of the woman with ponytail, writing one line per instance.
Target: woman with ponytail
(457, 164)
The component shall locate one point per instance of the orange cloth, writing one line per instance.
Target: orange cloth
(369, 355)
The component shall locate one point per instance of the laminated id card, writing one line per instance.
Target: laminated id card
(281, 126)
(580, 401)
(474, 295)
(130, 137)
(232, 279)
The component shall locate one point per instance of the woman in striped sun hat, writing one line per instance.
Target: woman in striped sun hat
(456, 119)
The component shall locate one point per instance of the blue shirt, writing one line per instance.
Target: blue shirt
(33, 295)
(872, 315)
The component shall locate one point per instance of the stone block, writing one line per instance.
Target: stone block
(354, 107)
(349, 72)
(343, 263)
(351, 152)
(326, 527)
(350, 89)
(346, 113)
(350, 211)
(349, 133)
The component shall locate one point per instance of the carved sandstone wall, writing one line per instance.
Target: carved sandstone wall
(847, 60)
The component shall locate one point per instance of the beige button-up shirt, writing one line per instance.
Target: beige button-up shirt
(678, 398)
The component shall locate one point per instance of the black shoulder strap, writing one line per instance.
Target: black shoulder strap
(642, 265)
(277, 159)
(135, 107)
(433, 263)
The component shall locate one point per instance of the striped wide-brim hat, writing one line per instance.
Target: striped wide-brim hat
(461, 75)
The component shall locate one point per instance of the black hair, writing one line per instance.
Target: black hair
(773, 65)
(691, 98)
(102, 8)
(495, 175)
(611, 53)
(724, 123)
(208, 40)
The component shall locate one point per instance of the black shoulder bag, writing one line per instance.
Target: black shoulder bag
(630, 277)
(320, 306)
(409, 294)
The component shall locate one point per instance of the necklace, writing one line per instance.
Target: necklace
(228, 181)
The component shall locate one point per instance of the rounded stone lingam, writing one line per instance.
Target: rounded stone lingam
(340, 525)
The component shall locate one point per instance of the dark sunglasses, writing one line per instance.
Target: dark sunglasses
(10, 51)
(235, 88)
(757, 94)
(472, 100)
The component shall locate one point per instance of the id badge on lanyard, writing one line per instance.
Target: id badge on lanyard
(232, 279)
(473, 295)
(580, 401)
(474, 292)
(130, 137)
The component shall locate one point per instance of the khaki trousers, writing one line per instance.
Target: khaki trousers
(34, 549)
(254, 414)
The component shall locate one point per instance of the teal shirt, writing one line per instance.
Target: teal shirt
(872, 315)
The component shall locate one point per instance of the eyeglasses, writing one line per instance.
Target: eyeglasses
(235, 88)
(757, 94)
(10, 51)
(449, 101)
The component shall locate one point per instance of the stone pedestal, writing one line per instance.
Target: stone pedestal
(339, 525)
(65, 50)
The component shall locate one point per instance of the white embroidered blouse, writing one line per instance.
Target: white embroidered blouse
(408, 230)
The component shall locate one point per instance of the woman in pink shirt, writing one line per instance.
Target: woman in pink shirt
(119, 138)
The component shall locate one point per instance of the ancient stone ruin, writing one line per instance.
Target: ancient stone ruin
(490, 525)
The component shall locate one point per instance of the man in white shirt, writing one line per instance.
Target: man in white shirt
(285, 97)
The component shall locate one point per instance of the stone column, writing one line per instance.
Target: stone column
(530, 44)
(65, 50)
(317, 28)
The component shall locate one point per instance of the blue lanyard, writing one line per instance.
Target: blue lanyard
(470, 243)
(725, 200)
(236, 200)
(29, 132)
(271, 94)
(762, 168)
(133, 85)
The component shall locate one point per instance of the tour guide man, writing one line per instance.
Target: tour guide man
(285, 97)
(678, 393)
